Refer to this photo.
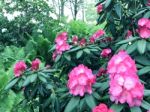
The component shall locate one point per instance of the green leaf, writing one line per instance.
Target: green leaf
(117, 107)
(145, 105)
(118, 10)
(79, 54)
(33, 77)
(135, 109)
(140, 12)
(142, 60)
(73, 103)
(73, 49)
(141, 45)
(68, 57)
(86, 51)
(57, 58)
(131, 48)
(90, 101)
(43, 79)
(26, 82)
(147, 14)
(107, 3)
(146, 92)
(128, 40)
(144, 70)
(11, 83)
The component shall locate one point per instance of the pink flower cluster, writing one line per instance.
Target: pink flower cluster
(148, 2)
(102, 108)
(99, 8)
(20, 67)
(144, 28)
(35, 64)
(96, 35)
(106, 52)
(125, 86)
(81, 80)
(61, 43)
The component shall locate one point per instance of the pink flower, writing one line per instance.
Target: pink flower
(35, 64)
(81, 80)
(61, 37)
(99, 8)
(54, 55)
(143, 21)
(96, 35)
(62, 47)
(19, 68)
(148, 111)
(75, 39)
(125, 86)
(101, 72)
(129, 34)
(102, 108)
(144, 28)
(92, 40)
(82, 42)
(121, 63)
(144, 32)
(61, 43)
(106, 52)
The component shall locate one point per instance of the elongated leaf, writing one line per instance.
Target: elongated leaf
(145, 105)
(140, 12)
(146, 92)
(128, 40)
(144, 70)
(117, 107)
(118, 10)
(79, 54)
(131, 48)
(11, 83)
(141, 45)
(135, 109)
(68, 57)
(107, 3)
(87, 51)
(90, 101)
(26, 82)
(33, 77)
(74, 49)
(72, 104)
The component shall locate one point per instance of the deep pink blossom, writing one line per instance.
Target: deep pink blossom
(61, 43)
(54, 55)
(148, 2)
(92, 40)
(75, 40)
(81, 80)
(101, 72)
(35, 64)
(96, 35)
(144, 27)
(129, 34)
(19, 68)
(102, 108)
(99, 8)
(106, 52)
(82, 42)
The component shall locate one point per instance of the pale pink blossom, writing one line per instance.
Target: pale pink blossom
(148, 111)
(99, 8)
(61, 37)
(102, 108)
(80, 80)
(143, 21)
(106, 52)
(125, 86)
(148, 3)
(121, 63)
(35, 64)
(19, 68)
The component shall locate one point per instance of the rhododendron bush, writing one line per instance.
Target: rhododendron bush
(107, 72)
